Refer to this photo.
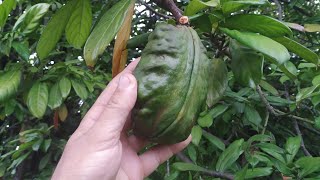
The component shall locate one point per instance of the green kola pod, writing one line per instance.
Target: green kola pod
(172, 84)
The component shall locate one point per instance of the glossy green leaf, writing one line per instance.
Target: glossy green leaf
(80, 89)
(195, 6)
(260, 43)
(240, 175)
(196, 133)
(188, 167)
(207, 120)
(264, 25)
(229, 156)
(292, 147)
(9, 82)
(9, 107)
(232, 6)
(258, 172)
(37, 100)
(5, 8)
(44, 161)
(192, 153)
(29, 21)
(54, 30)
(316, 80)
(218, 81)
(308, 165)
(306, 93)
(253, 117)
(22, 49)
(214, 140)
(298, 49)
(55, 97)
(246, 64)
(317, 122)
(65, 87)
(272, 150)
(79, 25)
(105, 31)
(265, 85)
(312, 27)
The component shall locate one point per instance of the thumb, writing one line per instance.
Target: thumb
(114, 116)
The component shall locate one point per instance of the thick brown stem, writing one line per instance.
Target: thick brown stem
(169, 5)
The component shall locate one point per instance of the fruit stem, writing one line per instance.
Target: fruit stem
(169, 5)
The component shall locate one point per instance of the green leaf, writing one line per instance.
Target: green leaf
(195, 6)
(258, 172)
(240, 175)
(188, 167)
(37, 99)
(260, 43)
(317, 122)
(252, 115)
(44, 161)
(312, 27)
(298, 49)
(105, 31)
(218, 81)
(316, 80)
(5, 8)
(272, 150)
(196, 133)
(29, 21)
(22, 49)
(55, 97)
(80, 89)
(264, 25)
(306, 93)
(10, 82)
(79, 25)
(229, 156)
(65, 87)
(207, 120)
(214, 140)
(292, 147)
(308, 165)
(192, 153)
(232, 6)
(246, 64)
(54, 29)
(265, 85)
(9, 106)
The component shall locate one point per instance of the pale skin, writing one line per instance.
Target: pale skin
(100, 148)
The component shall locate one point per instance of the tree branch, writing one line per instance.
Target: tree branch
(154, 11)
(265, 101)
(207, 172)
(280, 13)
(169, 5)
(296, 127)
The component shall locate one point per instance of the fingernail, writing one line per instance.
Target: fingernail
(124, 81)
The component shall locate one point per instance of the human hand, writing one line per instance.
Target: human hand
(100, 148)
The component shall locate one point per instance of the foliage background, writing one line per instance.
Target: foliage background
(269, 130)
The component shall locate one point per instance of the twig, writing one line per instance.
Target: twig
(265, 123)
(310, 129)
(295, 117)
(169, 5)
(168, 168)
(207, 172)
(296, 127)
(154, 11)
(280, 13)
(265, 101)
(277, 112)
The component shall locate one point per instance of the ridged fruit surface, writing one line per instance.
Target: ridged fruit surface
(172, 84)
